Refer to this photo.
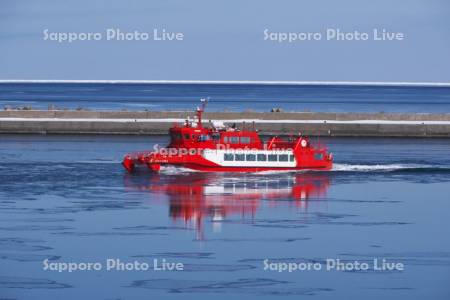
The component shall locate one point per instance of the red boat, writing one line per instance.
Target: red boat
(221, 148)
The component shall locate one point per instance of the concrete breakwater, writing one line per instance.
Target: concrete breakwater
(282, 123)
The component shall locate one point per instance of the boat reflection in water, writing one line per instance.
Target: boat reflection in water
(194, 198)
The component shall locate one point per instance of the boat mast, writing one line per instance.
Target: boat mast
(200, 111)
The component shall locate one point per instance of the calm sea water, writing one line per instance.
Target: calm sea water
(227, 97)
(67, 199)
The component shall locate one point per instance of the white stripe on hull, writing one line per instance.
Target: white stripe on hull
(217, 156)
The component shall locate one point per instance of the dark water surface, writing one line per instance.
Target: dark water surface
(67, 199)
(232, 97)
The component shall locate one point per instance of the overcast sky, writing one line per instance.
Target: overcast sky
(224, 40)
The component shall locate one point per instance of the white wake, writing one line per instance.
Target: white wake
(377, 167)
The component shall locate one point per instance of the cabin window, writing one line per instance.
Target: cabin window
(176, 136)
(291, 157)
(283, 157)
(273, 157)
(234, 140)
(239, 157)
(228, 157)
(318, 156)
(203, 138)
(262, 157)
(216, 136)
(245, 140)
(250, 157)
(186, 136)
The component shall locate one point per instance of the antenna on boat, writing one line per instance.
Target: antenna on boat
(200, 111)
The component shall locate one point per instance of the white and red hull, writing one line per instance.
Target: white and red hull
(214, 161)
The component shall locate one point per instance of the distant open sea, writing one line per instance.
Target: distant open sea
(227, 97)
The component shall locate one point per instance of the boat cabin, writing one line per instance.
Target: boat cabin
(201, 137)
(194, 135)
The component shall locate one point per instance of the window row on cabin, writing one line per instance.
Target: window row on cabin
(236, 140)
(258, 157)
(214, 136)
(198, 137)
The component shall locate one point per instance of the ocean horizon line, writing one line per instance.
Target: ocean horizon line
(234, 82)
